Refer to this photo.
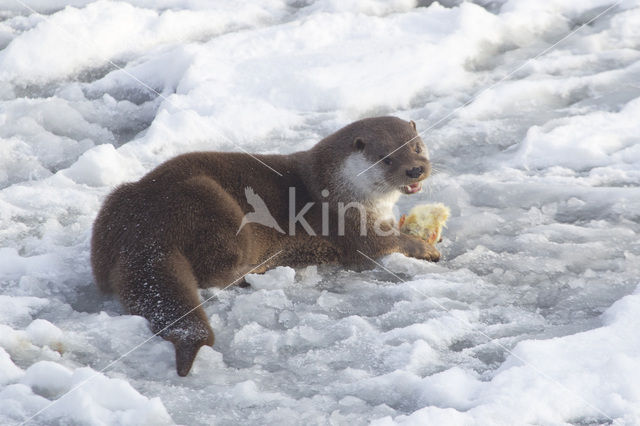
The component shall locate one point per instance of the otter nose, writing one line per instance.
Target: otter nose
(416, 172)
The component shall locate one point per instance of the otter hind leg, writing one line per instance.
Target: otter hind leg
(163, 289)
(220, 253)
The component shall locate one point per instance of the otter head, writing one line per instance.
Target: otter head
(386, 156)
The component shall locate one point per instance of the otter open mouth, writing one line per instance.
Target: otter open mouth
(413, 188)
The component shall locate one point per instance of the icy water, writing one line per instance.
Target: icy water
(531, 317)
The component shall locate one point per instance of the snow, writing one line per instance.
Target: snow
(530, 318)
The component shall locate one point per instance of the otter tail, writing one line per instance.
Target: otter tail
(163, 289)
(187, 335)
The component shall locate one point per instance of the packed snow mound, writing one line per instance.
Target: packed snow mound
(530, 318)
(581, 377)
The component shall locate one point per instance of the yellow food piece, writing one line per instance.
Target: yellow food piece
(425, 221)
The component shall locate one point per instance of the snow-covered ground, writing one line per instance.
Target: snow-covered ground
(532, 317)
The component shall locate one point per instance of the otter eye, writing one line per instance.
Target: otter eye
(418, 149)
(387, 160)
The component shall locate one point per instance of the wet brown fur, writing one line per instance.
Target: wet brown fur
(156, 241)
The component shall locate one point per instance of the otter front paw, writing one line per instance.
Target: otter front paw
(418, 248)
(432, 253)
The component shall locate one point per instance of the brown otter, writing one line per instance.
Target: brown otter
(188, 224)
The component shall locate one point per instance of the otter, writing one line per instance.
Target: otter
(193, 222)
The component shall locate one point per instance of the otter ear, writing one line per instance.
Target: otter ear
(413, 124)
(358, 143)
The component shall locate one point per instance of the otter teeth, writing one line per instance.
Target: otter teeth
(413, 188)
